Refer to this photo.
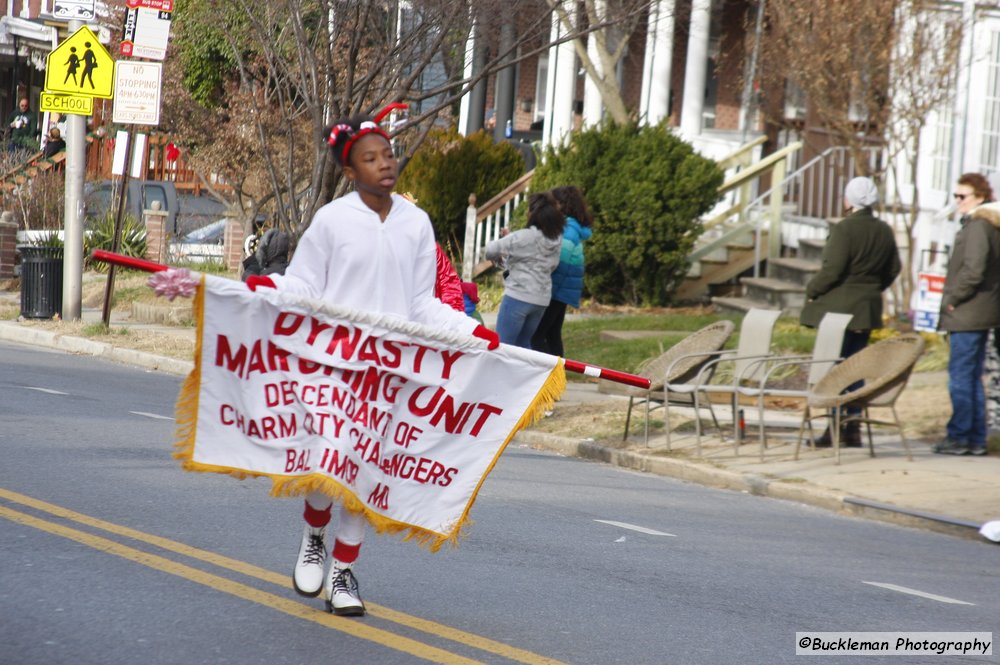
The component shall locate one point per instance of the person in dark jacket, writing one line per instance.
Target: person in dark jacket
(270, 257)
(860, 261)
(567, 278)
(23, 124)
(55, 144)
(970, 307)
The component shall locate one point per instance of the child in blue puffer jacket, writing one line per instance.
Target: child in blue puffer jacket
(567, 278)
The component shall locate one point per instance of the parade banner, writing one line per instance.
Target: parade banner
(396, 420)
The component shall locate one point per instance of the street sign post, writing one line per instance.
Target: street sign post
(81, 66)
(71, 104)
(137, 93)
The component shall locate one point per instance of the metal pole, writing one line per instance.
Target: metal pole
(76, 171)
(109, 286)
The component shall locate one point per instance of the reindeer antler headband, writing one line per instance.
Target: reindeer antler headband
(366, 127)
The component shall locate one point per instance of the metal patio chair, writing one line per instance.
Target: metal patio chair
(754, 344)
(680, 362)
(826, 353)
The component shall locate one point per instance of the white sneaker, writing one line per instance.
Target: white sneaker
(308, 576)
(342, 597)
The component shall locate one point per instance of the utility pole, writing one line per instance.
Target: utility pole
(76, 171)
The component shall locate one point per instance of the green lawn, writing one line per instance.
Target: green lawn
(583, 341)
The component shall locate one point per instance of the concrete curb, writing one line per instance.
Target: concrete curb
(710, 476)
(78, 345)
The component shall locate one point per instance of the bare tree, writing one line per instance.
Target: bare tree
(924, 62)
(292, 66)
(610, 23)
(872, 72)
(839, 55)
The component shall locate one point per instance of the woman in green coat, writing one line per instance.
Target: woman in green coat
(860, 261)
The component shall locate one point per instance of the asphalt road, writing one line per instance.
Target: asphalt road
(109, 553)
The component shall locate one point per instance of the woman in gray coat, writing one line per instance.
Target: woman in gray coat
(530, 255)
(970, 307)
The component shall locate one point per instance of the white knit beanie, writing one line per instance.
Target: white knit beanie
(861, 192)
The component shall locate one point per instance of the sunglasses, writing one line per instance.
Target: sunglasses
(961, 197)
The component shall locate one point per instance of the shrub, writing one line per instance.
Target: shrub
(38, 203)
(448, 167)
(50, 239)
(101, 235)
(647, 190)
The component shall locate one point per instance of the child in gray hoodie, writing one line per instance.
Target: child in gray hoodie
(530, 255)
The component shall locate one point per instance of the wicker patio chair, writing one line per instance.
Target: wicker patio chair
(885, 367)
(682, 361)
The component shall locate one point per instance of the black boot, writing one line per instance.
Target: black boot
(824, 441)
(850, 435)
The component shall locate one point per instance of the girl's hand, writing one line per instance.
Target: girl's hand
(254, 282)
(492, 339)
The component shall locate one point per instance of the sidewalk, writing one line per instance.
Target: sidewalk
(955, 495)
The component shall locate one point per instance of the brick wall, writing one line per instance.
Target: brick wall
(8, 242)
(156, 235)
(232, 244)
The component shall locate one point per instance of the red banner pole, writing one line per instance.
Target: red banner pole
(571, 365)
(127, 261)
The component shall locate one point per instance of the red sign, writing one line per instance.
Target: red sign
(162, 5)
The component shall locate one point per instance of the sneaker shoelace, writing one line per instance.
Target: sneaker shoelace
(315, 550)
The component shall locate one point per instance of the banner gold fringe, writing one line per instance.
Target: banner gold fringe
(186, 410)
(288, 486)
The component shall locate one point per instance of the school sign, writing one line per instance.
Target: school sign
(81, 66)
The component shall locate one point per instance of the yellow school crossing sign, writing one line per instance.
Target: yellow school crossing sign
(81, 66)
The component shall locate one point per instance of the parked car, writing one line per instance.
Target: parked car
(101, 198)
(201, 245)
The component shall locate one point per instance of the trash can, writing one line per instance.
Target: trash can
(41, 281)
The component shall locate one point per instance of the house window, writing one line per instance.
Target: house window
(795, 101)
(941, 130)
(988, 158)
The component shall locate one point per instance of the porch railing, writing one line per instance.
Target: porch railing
(735, 222)
(807, 198)
(483, 225)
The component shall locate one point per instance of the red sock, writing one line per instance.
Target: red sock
(345, 553)
(317, 519)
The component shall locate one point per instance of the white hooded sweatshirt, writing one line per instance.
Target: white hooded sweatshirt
(349, 257)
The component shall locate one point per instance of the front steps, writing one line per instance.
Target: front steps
(783, 288)
(717, 262)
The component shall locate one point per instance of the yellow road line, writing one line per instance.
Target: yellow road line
(350, 627)
(384, 613)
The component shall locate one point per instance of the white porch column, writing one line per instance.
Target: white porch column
(561, 86)
(695, 69)
(593, 105)
(654, 100)
(463, 109)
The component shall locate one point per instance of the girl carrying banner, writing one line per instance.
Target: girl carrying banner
(374, 251)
